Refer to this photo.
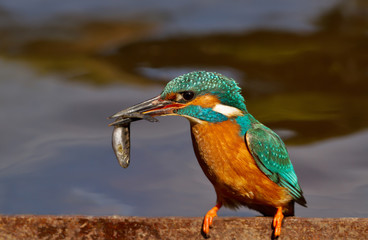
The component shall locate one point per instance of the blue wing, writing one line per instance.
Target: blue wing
(272, 158)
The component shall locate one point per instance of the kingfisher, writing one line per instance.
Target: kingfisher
(246, 162)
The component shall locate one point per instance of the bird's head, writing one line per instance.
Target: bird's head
(198, 96)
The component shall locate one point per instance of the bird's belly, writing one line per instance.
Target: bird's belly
(227, 163)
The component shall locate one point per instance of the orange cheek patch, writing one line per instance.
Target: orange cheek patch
(171, 96)
(206, 101)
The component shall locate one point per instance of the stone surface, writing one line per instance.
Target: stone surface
(83, 227)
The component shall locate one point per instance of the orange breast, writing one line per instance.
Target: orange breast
(230, 167)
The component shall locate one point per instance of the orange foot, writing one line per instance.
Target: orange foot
(208, 219)
(277, 220)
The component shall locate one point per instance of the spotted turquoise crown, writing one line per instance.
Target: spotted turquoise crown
(201, 83)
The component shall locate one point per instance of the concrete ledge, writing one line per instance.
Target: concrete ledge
(82, 227)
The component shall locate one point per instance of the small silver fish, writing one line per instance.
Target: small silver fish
(121, 143)
(121, 135)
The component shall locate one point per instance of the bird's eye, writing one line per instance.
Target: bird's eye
(187, 95)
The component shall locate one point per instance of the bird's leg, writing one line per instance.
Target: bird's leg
(208, 219)
(277, 220)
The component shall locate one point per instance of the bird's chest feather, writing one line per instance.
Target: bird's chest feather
(227, 163)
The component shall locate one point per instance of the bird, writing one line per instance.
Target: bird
(246, 162)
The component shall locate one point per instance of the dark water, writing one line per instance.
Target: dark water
(66, 66)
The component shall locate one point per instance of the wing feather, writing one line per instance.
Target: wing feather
(272, 158)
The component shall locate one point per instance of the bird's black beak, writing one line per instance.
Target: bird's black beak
(146, 110)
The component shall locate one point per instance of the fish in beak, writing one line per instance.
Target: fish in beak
(146, 110)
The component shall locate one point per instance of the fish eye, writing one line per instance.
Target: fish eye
(187, 95)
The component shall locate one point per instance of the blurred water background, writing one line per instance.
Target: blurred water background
(67, 65)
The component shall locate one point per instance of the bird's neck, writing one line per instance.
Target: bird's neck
(244, 122)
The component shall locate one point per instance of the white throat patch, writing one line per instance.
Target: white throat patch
(228, 111)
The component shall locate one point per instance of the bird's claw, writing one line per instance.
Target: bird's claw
(208, 218)
(207, 222)
(277, 221)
